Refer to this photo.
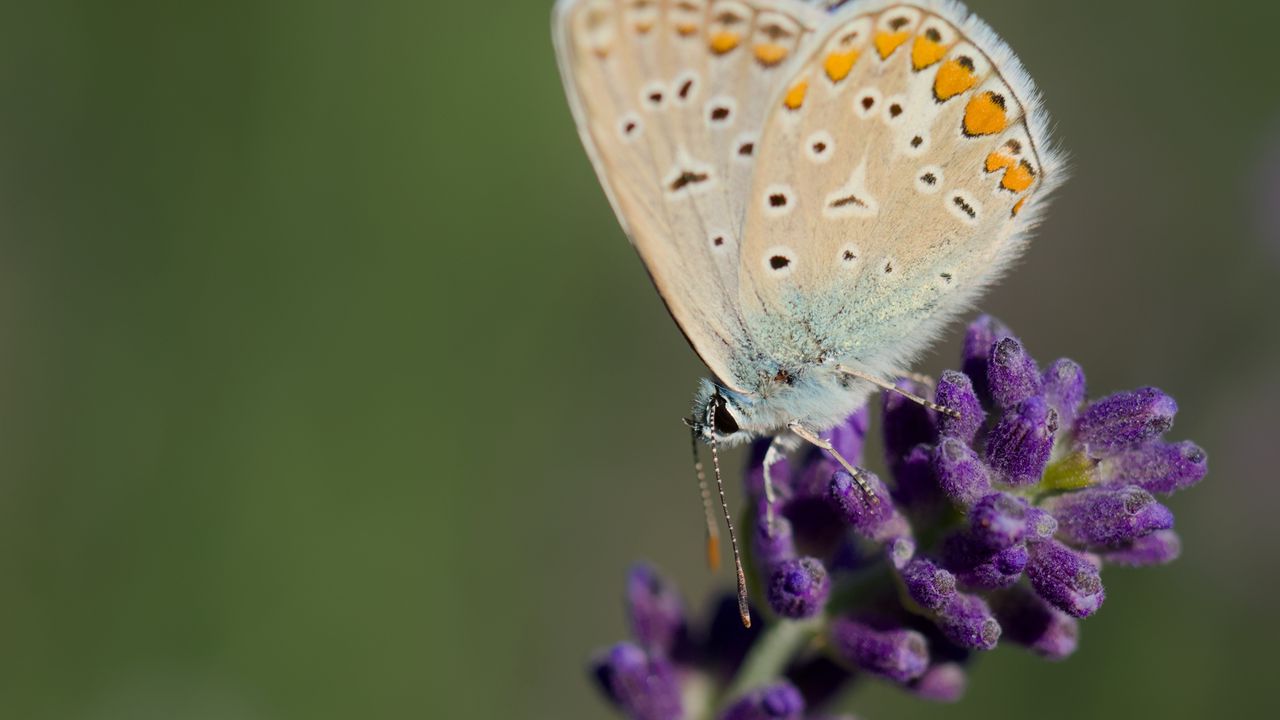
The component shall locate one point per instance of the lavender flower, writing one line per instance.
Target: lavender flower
(798, 588)
(642, 686)
(994, 525)
(781, 701)
(944, 682)
(655, 610)
(895, 653)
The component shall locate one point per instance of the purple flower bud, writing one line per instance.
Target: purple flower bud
(1000, 570)
(960, 472)
(944, 682)
(772, 542)
(798, 588)
(1041, 524)
(1158, 548)
(955, 391)
(927, 584)
(1108, 516)
(916, 487)
(979, 569)
(1065, 578)
(868, 517)
(780, 701)
(897, 654)
(1035, 624)
(1064, 389)
(978, 339)
(849, 436)
(1012, 374)
(998, 521)
(1126, 419)
(643, 687)
(967, 621)
(655, 610)
(1157, 467)
(906, 423)
(1012, 560)
(1019, 447)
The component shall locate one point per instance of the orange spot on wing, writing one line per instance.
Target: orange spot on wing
(770, 54)
(886, 43)
(644, 27)
(1017, 208)
(713, 552)
(838, 65)
(998, 161)
(795, 96)
(953, 78)
(1019, 177)
(926, 52)
(686, 29)
(723, 42)
(985, 115)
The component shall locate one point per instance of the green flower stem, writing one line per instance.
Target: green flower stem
(769, 656)
(1073, 472)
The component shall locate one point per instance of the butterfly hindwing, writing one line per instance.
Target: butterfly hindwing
(671, 97)
(897, 174)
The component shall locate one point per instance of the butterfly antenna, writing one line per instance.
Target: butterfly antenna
(891, 387)
(744, 611)
(858, 475)
(713, 533)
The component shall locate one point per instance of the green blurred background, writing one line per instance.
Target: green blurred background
(331, 389)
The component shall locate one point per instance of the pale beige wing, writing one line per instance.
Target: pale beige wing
(895, 180)
(670, 97)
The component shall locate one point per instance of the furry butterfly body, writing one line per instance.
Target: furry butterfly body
(814, 194)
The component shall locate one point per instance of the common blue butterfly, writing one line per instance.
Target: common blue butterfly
(815, 192)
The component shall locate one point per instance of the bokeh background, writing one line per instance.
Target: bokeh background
(329, 387)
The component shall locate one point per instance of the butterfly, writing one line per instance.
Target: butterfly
(814, 191)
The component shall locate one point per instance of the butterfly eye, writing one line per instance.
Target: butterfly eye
(725, 423)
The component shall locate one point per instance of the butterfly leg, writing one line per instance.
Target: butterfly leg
(814, 439)
(926, 380)
(890, 387)
(771, 458)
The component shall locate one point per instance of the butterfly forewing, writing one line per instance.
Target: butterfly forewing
(893, 181)
(671, 97)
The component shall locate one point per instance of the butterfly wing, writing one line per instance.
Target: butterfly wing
(896, 178)
(670, 97)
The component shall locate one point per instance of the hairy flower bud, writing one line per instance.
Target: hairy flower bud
(897, 654)
(798, 588)
(1019, 447)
